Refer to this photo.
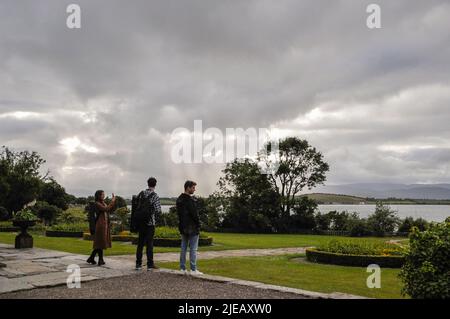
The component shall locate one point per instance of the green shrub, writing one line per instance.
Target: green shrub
(46, 212)
(384, 220)
(408, 223)
(358, 228)
(7, 223)
(73, 227)
(121, 219)
(72, 215)
(169, 219)
(426, 272)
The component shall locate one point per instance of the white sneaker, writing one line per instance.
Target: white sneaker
(196, 273)
(183, 272)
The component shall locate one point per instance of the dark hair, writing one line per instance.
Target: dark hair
(97, 195)
(189, 184)
(151, 182)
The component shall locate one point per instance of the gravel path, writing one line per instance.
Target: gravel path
(155, 285)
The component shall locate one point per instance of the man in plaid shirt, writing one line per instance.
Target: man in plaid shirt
(147, 232)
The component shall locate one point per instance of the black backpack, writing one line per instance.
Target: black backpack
(92, 213)
(141, 211)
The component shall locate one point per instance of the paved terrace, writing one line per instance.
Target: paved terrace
(41, 273)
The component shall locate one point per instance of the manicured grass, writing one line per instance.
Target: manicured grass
(78, 245)
(247, 241)
(283, 271)
(222, 241)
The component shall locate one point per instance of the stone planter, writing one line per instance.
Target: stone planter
(23, 240)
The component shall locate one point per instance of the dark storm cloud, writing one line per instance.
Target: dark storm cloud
(100, 102)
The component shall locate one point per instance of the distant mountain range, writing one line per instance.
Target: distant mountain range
(381, 190)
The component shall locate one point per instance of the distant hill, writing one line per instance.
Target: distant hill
(321, 198)
(329, 199)
(383, 191)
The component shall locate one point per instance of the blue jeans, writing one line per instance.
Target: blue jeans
(193, 245)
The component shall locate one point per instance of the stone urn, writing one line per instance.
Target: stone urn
(24, 240)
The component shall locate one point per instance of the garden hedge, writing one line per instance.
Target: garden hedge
(9, 229)
(58, 233)
(353, 260)
(159, 242)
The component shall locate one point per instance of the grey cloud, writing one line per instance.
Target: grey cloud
(140, 69)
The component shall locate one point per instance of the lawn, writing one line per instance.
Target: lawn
(222, 241)
(247, 241)
(284, 271)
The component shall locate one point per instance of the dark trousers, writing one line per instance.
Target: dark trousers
(146, 234)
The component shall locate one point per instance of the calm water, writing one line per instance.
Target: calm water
(436, 213)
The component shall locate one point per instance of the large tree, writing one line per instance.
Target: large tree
(249, 201)
(54, 194)
(20, 178)
(300, 166)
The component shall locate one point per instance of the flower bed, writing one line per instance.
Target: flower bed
(75, 230)
(361, 254)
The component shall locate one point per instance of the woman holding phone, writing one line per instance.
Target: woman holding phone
(102, 236)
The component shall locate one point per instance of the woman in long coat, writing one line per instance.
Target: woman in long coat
(102, 236)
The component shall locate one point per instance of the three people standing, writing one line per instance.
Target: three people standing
(145, 211)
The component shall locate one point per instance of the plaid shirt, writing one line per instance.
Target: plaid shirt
(150, 194)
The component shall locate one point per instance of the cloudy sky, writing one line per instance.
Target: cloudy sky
(100, 103)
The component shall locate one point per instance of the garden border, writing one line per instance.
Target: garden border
(325, 257)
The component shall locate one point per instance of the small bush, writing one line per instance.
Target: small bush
(73, 227)
(46, 212)
(426, 272)
(358, 228)
(169, 219)
(72, 215)
(408, 223)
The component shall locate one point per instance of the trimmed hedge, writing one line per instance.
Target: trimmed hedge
(57, 233)
(353, 260)
(175, 242)
(159, 242)
(122, 238)
(9, 229)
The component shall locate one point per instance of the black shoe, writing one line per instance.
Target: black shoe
(101, 262)
(91, 261)
(138, 266)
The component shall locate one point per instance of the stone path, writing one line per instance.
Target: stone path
(27, 269)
